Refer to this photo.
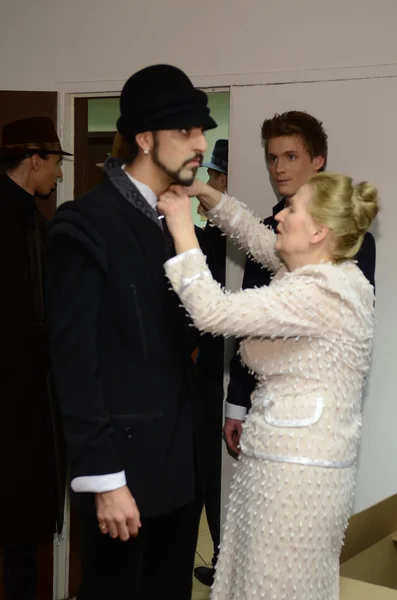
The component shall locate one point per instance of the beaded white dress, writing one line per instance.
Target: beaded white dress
(308, 340)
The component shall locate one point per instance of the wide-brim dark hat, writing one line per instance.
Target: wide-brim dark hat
(162, 97)
(35, 134)
(220, 157)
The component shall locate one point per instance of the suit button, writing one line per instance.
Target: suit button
(128, 432)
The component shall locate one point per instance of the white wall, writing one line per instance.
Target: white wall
(49, 42)
(361, 120)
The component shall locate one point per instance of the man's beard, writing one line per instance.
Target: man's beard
(176, 176)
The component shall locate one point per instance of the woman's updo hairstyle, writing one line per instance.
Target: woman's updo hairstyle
(346, 209)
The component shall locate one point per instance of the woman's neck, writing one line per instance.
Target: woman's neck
(295, 261)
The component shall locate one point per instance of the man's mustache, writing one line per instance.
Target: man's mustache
(199, 157)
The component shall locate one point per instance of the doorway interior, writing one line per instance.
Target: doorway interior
(95, 127)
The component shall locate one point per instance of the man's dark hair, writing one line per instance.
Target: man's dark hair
(12, 161)
(216, 173)
(295, 122)
(133, 148)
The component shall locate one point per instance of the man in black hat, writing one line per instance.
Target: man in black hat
(121, 352)
(210, 368)
(31, 156)
(217, 169)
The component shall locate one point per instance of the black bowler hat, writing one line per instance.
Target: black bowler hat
(161, 97)
(220, 157)
(35, 134)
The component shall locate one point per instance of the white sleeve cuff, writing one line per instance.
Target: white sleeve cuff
(234, 411)
(96, 484)
(176, 259)
(218, 206)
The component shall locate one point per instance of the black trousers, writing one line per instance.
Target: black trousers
(213, 514)
(144, 567)
(20, 571)
(211, 389)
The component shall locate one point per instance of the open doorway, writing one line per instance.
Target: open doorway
(95, 128)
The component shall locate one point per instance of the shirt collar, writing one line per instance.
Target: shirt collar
(279, 206)
(144, 189)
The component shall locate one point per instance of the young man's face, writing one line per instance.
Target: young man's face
(290, 165)
(179, 153)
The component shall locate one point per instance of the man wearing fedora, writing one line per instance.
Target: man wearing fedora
(121, 353)
(210, 368)
(31, 156)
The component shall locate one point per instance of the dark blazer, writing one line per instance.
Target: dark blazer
(241, 383)
(121, 348)
(211, 349)
(28, 507)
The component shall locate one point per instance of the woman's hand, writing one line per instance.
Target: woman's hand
(198, 187)
(207, 196)
(176, 206)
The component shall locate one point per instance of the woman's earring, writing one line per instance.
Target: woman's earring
(146, 151)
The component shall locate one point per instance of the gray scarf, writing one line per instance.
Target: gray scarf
(127, 189)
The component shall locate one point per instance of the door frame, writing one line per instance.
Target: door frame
(66, 129)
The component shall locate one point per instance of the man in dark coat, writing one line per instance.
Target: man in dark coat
(296, 147)
(31, 155)
(210, 365)
(121, 353)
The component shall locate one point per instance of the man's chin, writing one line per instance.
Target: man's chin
(285, 190)
(44, 195)
(185, 180)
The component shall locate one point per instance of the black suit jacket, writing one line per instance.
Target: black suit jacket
(242, 384)
(27, 465)
(121, 349)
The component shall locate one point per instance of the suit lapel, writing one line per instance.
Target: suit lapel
(127, 189)
(151, 241)
(145, 225)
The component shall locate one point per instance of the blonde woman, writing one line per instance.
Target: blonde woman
(308, 340)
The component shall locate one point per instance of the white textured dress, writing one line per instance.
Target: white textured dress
(308, 340)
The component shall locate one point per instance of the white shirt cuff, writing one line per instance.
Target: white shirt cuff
(234, 411)
(96, 484)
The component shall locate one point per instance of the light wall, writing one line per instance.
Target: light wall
(46, 43)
